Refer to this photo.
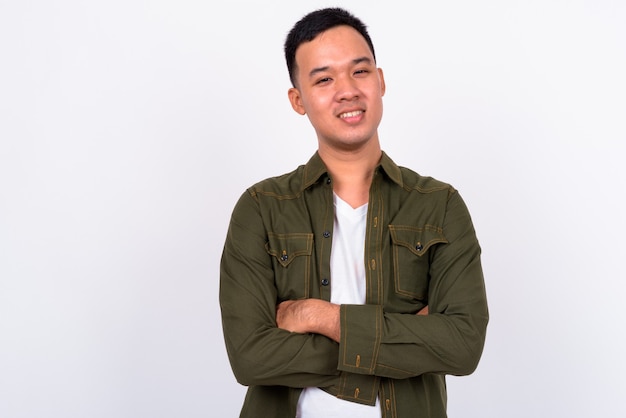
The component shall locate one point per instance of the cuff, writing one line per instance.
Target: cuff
(361, 332)
(356, 388)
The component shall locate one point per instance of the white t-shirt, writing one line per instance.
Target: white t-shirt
(347, 269)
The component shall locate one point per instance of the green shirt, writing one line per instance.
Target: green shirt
(420, 249)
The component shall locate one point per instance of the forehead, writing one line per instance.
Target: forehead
(331, 47)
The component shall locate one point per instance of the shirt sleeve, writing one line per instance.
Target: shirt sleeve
(259, 352)
(450, 339)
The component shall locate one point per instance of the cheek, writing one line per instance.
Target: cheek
(318, 107)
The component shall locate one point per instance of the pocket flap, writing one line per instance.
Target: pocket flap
(416, 239)
(286, 247)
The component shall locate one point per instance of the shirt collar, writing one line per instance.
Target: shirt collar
(315, 168)
(391, 169)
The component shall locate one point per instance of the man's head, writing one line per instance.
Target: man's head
(336, 81)
(312, 25)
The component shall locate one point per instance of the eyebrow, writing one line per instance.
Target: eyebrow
(355, 61)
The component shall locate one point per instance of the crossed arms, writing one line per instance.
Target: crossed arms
(323, 339)
(314, 316)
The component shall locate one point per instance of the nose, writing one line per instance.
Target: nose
(347, 89)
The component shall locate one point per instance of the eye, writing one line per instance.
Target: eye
(323, 80)
(361, 72)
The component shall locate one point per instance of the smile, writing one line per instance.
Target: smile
(350, 114)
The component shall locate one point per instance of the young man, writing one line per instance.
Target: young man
(351, 286)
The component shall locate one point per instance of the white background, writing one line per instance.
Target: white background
(128, 129)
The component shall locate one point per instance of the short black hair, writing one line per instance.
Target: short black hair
(314, 23)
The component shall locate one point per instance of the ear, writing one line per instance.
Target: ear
(296, 100)
(381, 77)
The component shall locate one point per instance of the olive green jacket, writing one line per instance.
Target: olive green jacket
(420, 249)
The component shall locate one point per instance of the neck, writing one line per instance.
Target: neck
(352, 172)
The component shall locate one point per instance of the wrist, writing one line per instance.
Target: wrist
(325, 320)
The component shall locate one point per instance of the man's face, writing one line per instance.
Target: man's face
(339, 88)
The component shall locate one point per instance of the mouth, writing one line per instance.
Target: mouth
(352, 114)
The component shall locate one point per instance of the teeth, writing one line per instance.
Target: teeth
(350, 114)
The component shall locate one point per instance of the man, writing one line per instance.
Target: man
(349, 287)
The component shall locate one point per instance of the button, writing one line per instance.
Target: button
(284, 256)
(419, 246)
(326, 234)
(328, 180)
(325, 282)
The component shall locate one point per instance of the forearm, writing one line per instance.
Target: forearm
(261, 353)
(405, 345)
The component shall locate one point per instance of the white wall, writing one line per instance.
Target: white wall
(128, 129)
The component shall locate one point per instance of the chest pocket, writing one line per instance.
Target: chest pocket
(411, 248)
(291, 258)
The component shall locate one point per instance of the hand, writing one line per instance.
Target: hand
(309, 316)
(423, 311)
(290, 316)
